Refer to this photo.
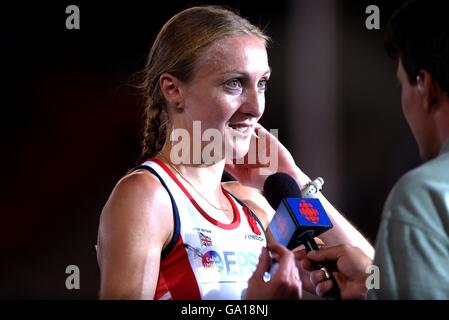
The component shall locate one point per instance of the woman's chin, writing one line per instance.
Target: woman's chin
(237, 151)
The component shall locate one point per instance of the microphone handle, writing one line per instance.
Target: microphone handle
(310, 244)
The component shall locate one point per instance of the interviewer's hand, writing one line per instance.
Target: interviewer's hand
(304, 274)
(284, 284)
(350, 264)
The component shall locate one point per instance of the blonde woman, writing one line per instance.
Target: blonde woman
(172, 230)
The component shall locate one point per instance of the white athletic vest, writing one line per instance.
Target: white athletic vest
(206, 259)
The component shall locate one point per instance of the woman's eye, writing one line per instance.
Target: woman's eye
(262, 84)
(234, 84)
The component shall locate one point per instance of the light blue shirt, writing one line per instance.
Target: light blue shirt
(412, 247)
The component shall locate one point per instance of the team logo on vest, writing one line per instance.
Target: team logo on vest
(229, 265)
(253, 237)
(211, 259)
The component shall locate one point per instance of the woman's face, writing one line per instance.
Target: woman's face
(227, 91)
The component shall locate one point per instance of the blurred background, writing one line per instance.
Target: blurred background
(71, 122)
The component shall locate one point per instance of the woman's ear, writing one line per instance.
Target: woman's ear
(171, 89)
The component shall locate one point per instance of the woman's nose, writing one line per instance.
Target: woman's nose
(254, 103)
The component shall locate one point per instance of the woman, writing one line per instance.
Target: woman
(171, 229)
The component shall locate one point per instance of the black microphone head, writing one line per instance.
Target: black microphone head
(297, 220)
(278, 186)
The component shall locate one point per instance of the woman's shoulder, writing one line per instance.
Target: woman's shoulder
(253, 198)
(141, 187)
(135, 226)
(137, 202)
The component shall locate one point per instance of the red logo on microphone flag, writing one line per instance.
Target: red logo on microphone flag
(307, 210)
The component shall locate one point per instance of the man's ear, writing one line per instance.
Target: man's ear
(429, 90)
(171, 89)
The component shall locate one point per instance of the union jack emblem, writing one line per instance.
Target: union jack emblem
(206, 241)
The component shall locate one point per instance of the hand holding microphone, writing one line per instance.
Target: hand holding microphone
(351, 264)
(298, 220)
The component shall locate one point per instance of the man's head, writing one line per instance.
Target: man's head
(418, 37)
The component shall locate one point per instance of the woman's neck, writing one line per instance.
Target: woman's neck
(204, 178)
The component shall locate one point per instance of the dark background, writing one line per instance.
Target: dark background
(71, 124)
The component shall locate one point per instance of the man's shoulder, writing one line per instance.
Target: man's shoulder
(410, 186)
(423, 178)
(413, 236)
(419, 197)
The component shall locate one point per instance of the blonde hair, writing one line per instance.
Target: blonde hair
(175, 51)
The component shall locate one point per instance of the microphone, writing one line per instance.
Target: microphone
(298, 220)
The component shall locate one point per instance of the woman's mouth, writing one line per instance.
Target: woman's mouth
(240, 129)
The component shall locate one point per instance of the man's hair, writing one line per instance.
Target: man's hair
(418, 34)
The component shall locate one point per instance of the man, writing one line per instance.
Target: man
(412, 246)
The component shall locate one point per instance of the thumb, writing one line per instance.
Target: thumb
(263, 265)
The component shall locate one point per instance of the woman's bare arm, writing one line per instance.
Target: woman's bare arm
(343, 232)
(135, 225)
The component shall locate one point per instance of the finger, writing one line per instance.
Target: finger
(276, 248)
(287, 269)
(259, 129)
(275, 256)
(281, 254)
(287, 274)
(300, 247)
(306, 264)
(319, 242)
(263, 265)
(257, 149)
(250, 158)
(300, 254)
(261, 132)
(317, 276)
(323, 288)
(325, 254)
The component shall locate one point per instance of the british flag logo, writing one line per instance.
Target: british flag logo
(206, 241)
